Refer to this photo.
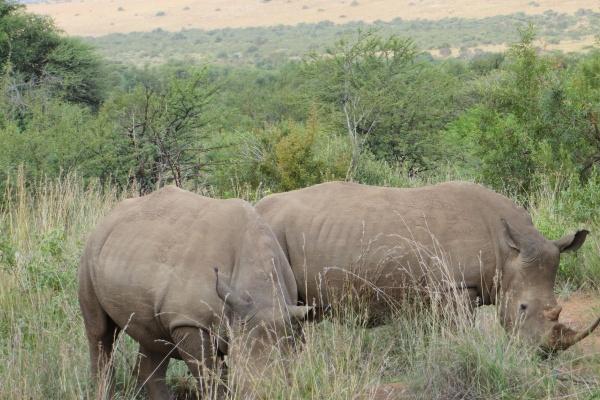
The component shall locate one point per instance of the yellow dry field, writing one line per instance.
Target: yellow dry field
(100, 17)
(565, 46)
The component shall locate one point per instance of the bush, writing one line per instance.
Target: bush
(288, 156)
(32, 49)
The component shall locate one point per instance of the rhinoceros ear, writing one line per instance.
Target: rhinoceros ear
(572, 242)
(511, 236)
(230, 297)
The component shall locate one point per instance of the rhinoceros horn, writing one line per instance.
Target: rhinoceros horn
(562, 337)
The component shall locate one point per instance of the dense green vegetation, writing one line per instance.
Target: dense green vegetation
(78, 133)
(33, 53)
(269, 47)
(370, 108)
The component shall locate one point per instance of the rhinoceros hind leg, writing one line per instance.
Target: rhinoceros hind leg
(152, 373)
(199, 351)
(101, 332)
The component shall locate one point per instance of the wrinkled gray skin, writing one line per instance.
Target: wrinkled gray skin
(149, 268)
(395, 238)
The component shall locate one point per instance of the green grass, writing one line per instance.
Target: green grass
(436, 351)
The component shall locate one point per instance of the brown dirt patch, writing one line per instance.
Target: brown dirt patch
(100, 17)
(579, 311)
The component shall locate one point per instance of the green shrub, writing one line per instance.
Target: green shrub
(287, 156)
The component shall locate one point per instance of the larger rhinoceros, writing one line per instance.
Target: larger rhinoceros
(452, 233)
(149, 268)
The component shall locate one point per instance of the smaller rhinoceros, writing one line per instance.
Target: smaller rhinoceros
(149, 268)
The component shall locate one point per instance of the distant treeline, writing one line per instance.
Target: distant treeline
(270, 46)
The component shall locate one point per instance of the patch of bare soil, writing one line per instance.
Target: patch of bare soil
(579, 311)
(566, 46)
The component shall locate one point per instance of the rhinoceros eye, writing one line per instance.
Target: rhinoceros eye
(522, 307)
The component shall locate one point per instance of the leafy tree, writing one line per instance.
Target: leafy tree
(163, 125)
(408, 132)
(582, 93)
(38, 54)
(360, 79)
(495, 147)
(73, 69)
(535, 119)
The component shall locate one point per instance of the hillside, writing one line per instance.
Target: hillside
(268, 46)
(101, 17)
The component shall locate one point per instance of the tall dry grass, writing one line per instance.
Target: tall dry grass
(42, 231)
(436, 349)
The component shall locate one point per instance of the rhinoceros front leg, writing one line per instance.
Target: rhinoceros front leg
(199, 351)
(152, 374)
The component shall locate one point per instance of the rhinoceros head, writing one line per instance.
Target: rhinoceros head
(262, 322)
(528, 304)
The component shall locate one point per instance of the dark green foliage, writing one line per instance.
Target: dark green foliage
(74, 71)
(25, 39)
(493, 146)
(485, 63)
(508, 120)
(160, 128)
(48, 137)
(33, 49)
(408, 133)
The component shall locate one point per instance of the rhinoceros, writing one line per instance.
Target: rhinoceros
(394, 238)
(149, 268)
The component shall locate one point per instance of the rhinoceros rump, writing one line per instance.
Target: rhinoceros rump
(392, 236)
(148, 268)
